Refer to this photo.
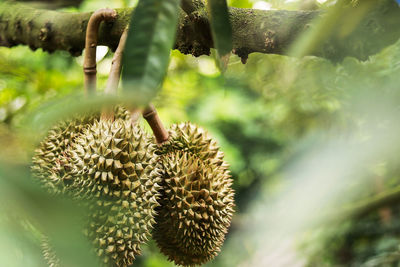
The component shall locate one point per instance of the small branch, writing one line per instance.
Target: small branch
(116, 66)
(151, 116)
(89, 62)
(115, 73)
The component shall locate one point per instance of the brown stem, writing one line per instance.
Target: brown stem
(116, 65)
(89, 62)
(151, 116)
(115, 73)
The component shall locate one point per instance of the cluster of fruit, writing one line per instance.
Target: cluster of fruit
(179, 192)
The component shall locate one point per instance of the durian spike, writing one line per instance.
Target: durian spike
(151, 116)
(89, 61)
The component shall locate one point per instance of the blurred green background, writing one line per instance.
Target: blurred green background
(305, 138)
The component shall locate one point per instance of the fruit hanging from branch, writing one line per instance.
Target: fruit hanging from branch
(179, 185)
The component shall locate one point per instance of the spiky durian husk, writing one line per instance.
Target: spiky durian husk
(115, 165)
(194, 139)
(121, 112)
(196, 197)
(51, 161)
(118, 228)
(196, 209)
(112, 158)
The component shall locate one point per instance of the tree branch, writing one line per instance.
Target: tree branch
(272, 31)
(190, 6)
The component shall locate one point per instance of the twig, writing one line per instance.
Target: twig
(89, 62)
(115, 73)
(116, 66)
(151, 116)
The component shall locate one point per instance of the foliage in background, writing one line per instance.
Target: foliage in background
(266, 114)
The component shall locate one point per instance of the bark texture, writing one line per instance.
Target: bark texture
(261, 31)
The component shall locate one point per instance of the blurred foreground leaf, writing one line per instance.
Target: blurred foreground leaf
(221, 30)
(150, 39)
(28, 213)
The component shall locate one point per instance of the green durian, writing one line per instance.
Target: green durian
(112, 158)
(115, 165)
(52, 159)
(118, 228)
(112, 164)
(194, 139)
(196, 203)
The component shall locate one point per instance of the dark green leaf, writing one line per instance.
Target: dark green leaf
(220, 26)
(150, 39)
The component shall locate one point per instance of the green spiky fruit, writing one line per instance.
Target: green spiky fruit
(115, 164)
(52, 159)
(118, 228)
(51, 162)
(194, 139)
(196, 204)
(121, 112)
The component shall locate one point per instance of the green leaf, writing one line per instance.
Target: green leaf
(220, 26)
(150, 39)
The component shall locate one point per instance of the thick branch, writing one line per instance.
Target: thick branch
(253, 30)
(189, 6)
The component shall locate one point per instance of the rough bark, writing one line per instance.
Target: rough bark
(51, 4)
(253, 30)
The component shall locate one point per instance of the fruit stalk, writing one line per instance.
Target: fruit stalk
(89, 62)
(151, 116)
(116, 66)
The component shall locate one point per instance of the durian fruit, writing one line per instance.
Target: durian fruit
(194, 139)
(118, 228)
(196, 203)
(121, 112)
(115, 165)
(52, 159)
(112, 158)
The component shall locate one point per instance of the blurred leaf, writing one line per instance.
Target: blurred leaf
(24, 204)
(221, 30)
(50, 112)
(150, 40)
